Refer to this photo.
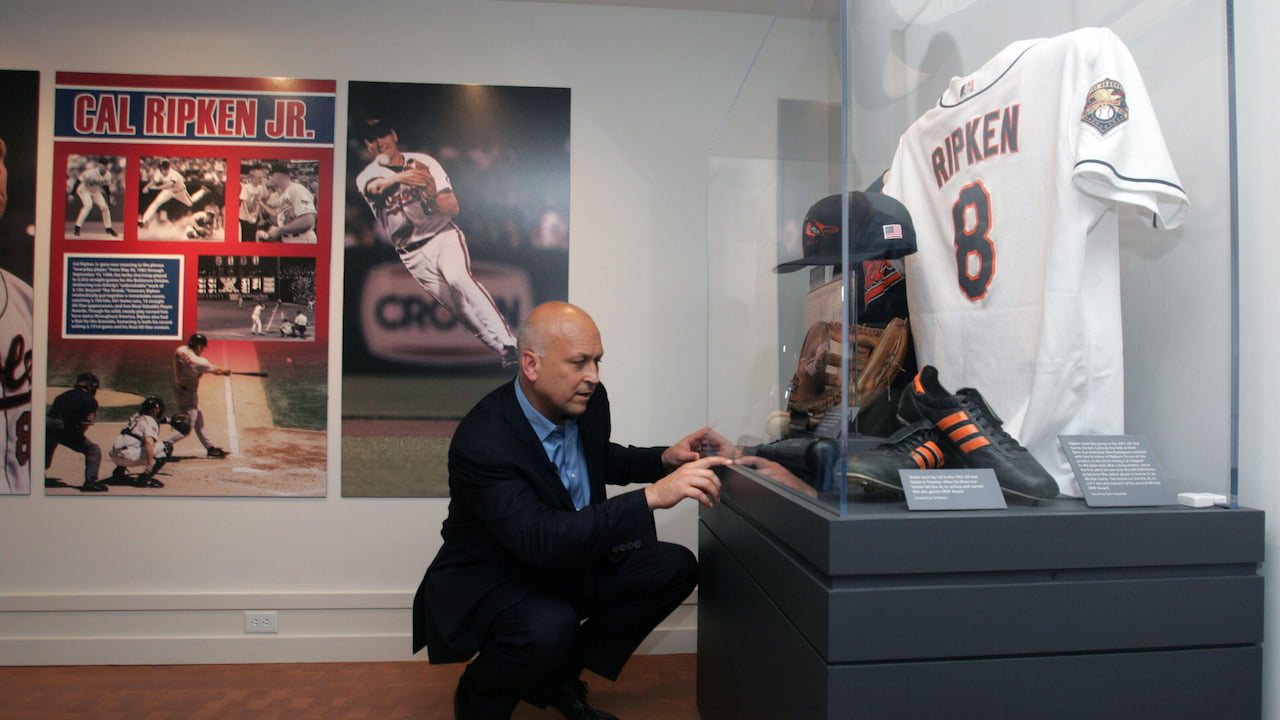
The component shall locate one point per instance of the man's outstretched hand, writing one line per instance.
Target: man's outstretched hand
(696, 444)
(695, 479)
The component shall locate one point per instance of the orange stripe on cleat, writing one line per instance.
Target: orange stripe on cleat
(952, 419)
(921, 460)
(918, 385)
(974, 444)
(934, 453)
(962, 433)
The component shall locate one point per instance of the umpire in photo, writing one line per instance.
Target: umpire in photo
(541, 572)
(69, 417)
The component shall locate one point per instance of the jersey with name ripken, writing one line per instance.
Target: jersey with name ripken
(1015, 289)
(401, 211)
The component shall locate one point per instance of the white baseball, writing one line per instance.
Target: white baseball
(776, 426)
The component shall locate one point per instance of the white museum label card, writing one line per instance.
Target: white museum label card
(952, 489)
(1116, 470)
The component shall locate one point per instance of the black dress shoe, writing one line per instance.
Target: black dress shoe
(570, 700)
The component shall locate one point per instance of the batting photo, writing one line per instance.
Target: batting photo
(194, 417)
(258, 298)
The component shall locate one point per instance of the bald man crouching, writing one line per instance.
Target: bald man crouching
(541, 573)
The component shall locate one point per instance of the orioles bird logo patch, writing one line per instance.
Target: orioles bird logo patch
(1105, 107)
(814, 230)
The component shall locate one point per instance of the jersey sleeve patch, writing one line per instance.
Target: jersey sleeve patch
(1105, 107)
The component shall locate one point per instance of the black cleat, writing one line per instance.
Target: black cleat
(95, 486)
(217, 453)
(111, 231)
(76, 231)
(915, 447)
(973, 432)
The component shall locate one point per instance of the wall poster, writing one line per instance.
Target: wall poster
(190, 236)
(19, 121)
(457, 224)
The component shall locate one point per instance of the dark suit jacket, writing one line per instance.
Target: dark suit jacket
(510, 517)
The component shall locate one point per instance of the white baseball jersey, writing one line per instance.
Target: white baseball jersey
(251, 201)
(169, 179)
(401, 211)
(127, 450)
(15, 383)
(188, 367)
(291, 204)
(1014, 291)
(94, 179)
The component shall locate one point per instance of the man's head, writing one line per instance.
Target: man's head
(379, 137)
(88, 381)
(280, 177)
(198, 343)
(560, 353)
(257, 175)
(164, 165)
(152, 406)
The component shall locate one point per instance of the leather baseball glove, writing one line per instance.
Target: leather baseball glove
(420, 180)
(875, 363)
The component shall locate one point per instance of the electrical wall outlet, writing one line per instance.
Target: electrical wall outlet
(261, 621)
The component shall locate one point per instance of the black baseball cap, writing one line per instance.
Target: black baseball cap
(879, 229)
(279, 169)
(375, 128)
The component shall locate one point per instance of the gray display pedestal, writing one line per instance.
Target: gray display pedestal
(1047, 611)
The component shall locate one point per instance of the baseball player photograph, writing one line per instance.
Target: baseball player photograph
(253, 197)
(294, 206)
(448, 191)
(173, 188)
(19, 91)
(93, 189)
(66, 423)
(138, 446)
(415, 204)
(188, 367)
(272, 291)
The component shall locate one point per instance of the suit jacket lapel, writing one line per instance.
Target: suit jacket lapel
(543, 470)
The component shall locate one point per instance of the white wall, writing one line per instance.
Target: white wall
(174, 575)
(1257, 107)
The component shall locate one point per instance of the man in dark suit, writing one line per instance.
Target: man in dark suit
(540, 572)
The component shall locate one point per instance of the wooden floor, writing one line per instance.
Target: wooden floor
(652, 687)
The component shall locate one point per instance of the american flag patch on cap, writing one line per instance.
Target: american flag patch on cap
(893, 232)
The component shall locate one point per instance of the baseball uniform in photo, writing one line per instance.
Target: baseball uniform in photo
(15, 334)
(434, 250)
(127, 449)
(90, 188)
(1015, 289)
(294, 202)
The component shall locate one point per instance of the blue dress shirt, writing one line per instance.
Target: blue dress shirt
(564, 449)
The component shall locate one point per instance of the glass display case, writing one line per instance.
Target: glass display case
(1063, 246)
(1064, 172)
